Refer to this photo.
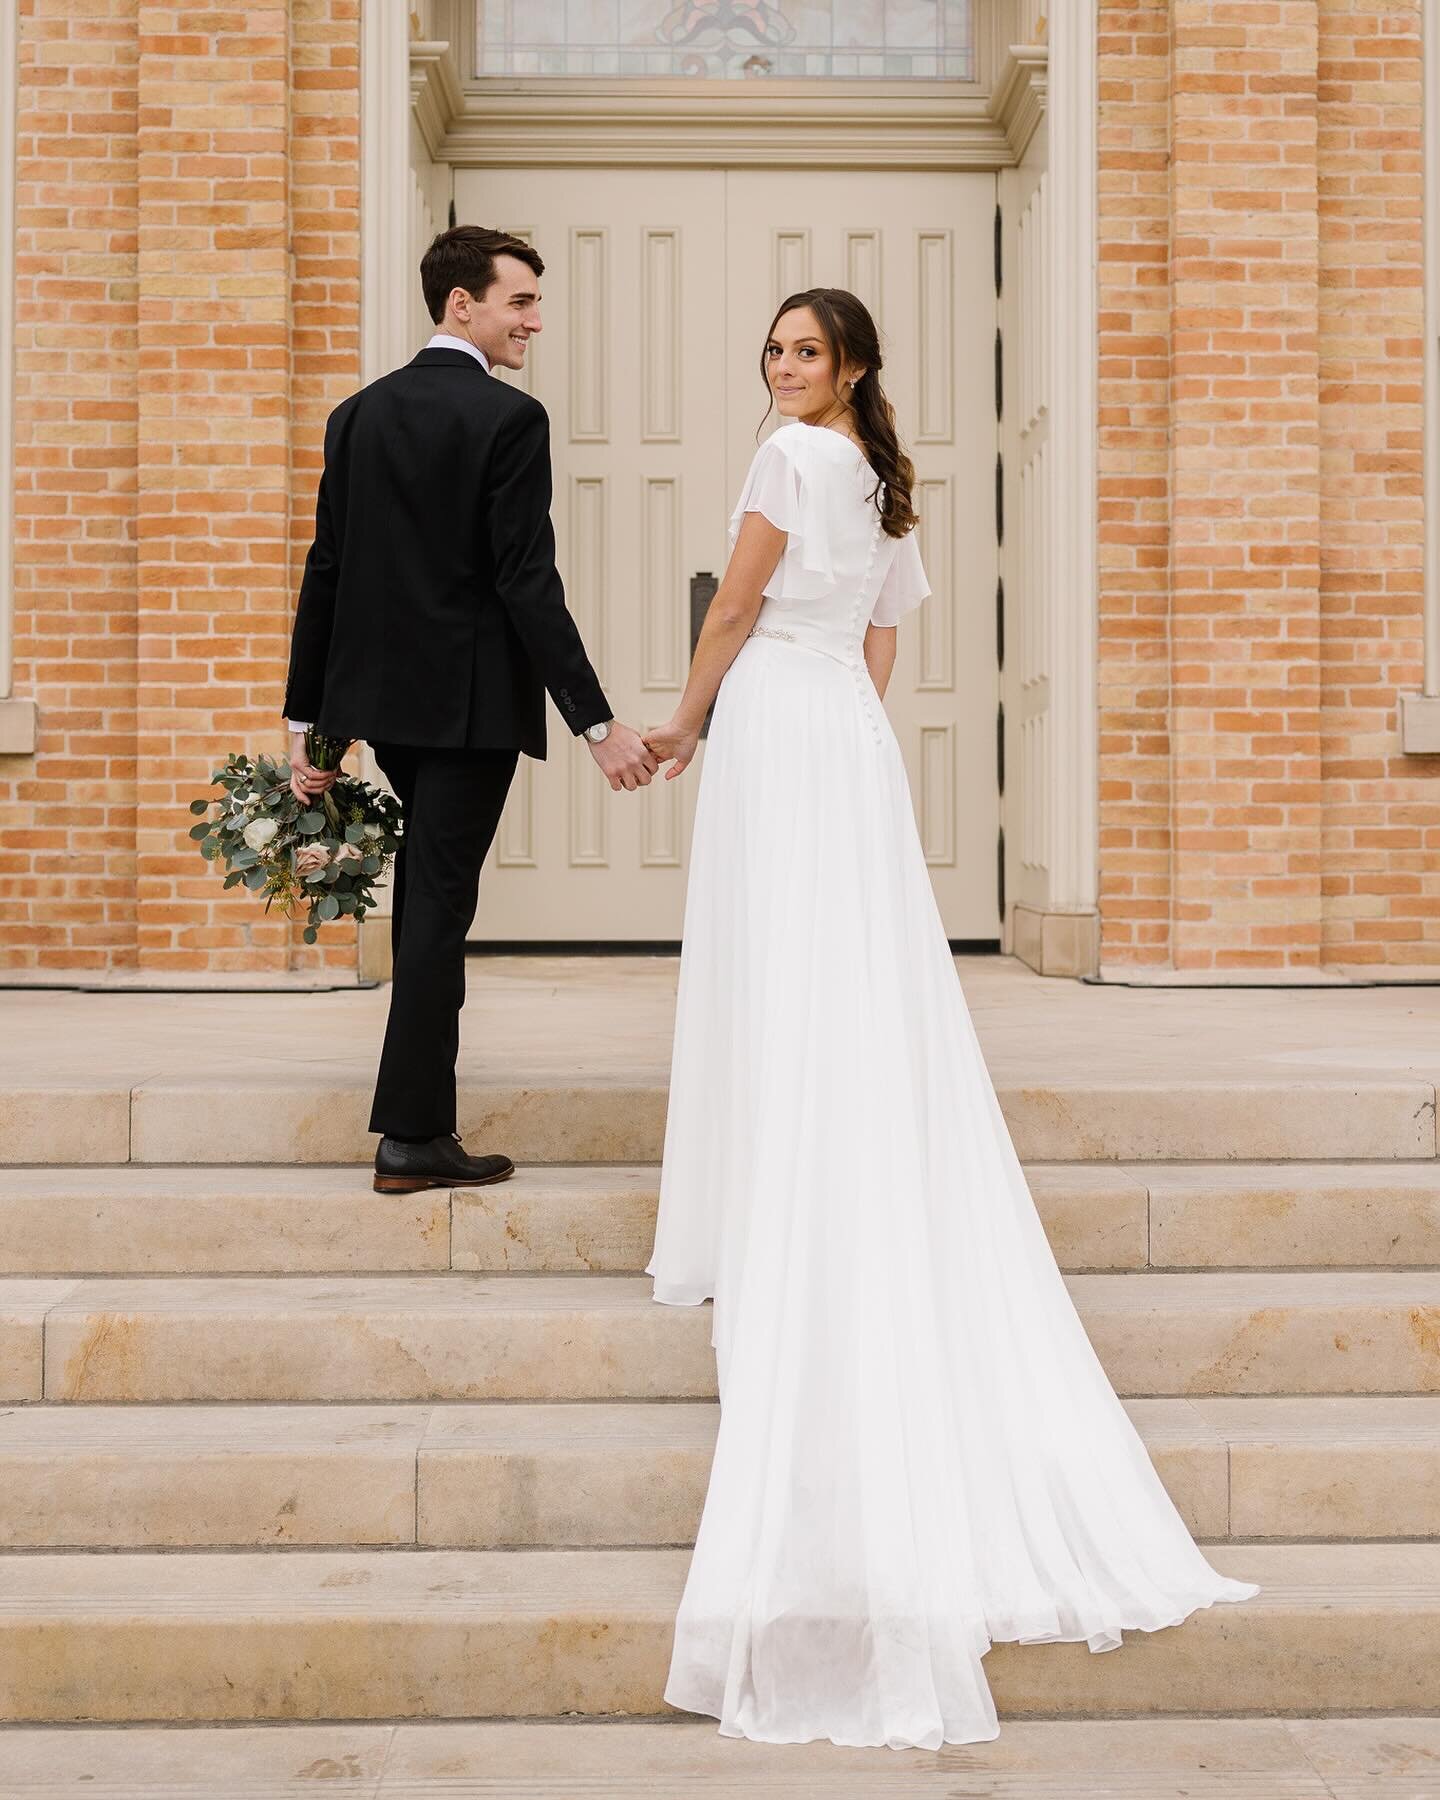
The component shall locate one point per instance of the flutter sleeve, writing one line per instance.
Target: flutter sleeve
(904, 586)
(777, 485)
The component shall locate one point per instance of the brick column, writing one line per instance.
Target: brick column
(214, 450)
(1244, 562)
(1382, 808)
(249, 159)
(1134, 480)
(67, 814)
(325, 268)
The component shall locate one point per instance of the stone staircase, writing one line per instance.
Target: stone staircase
(274, 1448)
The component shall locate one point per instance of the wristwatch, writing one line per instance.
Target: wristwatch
(597, 734)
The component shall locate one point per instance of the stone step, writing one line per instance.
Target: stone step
(137, 1220)
(680, 1758)
(405, 1634)
(596, 1337)
(245, 1116)
(605, 1475)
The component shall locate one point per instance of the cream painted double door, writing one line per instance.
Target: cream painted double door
(658, 289)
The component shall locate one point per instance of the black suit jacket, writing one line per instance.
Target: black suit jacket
(431, 612)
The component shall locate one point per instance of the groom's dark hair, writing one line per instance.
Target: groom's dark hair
(464, 256)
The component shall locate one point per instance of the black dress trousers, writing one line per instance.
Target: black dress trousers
(452, 800)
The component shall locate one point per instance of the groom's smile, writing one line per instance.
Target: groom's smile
(501, 321)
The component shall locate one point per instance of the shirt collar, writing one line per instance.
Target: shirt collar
(442, 340)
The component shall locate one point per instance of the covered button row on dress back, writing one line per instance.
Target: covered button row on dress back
(864, 604)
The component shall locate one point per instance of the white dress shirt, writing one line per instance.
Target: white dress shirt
(442, 340)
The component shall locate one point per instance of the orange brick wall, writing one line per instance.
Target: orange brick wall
(67, 816)
(187, 313)
(1380, 882)
(1260, 526)
(1133, 687)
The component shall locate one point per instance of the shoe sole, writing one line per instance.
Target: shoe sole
(414, 1184)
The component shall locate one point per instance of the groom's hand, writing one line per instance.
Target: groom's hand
(623, 759)
(307, 783)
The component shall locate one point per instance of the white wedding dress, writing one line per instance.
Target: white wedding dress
(919, 1452)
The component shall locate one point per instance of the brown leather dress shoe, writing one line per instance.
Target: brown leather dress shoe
(440, 1162)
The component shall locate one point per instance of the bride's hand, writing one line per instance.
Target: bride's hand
(673, 743)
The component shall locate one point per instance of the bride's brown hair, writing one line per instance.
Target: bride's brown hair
(850, 334)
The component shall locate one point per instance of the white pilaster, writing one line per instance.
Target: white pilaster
(385, 275)
(1072, 574)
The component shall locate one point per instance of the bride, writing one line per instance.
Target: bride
(919, 1452)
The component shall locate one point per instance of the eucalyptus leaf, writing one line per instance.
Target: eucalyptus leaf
(255, 879)
(201, 830)
(199, 806)
(210, 849)
(311, 822)
(244, 858)
(310, 934)
(372, 865)
(328, 908)
(233, 879)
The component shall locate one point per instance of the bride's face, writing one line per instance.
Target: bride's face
(799, 367)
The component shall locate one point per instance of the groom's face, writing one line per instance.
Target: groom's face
(505, 317)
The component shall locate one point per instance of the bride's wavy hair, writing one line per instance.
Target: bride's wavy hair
(850, 334)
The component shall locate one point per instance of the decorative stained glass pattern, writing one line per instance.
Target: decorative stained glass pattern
(778, 40)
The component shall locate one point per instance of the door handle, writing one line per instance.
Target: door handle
(703, 588)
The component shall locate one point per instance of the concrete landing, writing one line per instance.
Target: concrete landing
(566, 1059)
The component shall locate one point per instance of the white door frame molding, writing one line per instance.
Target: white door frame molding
(582, 123)
(385, 187)
(1074, 426)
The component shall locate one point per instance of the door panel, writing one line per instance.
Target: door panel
(632, 300)
(917, 249)
(658, 291)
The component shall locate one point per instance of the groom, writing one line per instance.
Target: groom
(431, 620)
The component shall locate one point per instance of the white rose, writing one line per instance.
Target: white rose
(258, 833)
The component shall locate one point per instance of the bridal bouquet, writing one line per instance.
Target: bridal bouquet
(328, 855)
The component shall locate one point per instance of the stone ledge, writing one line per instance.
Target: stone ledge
(1056, 943)
(1420, 724)
(19, 727)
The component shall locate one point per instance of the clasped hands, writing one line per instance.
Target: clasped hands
(625, 758)
(631, 759)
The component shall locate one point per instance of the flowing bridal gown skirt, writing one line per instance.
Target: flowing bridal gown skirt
(919, 1452)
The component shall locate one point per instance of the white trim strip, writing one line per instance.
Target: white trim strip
(1073, 775)
(385, 179)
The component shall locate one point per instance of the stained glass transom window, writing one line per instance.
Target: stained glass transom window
(781, 40)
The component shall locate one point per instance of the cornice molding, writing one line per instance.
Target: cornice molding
(436, 97)
(1021, 95)
(783, 125)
